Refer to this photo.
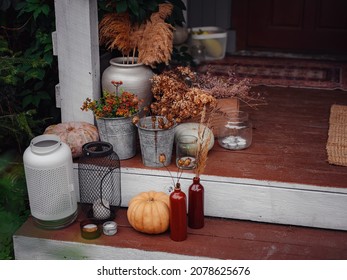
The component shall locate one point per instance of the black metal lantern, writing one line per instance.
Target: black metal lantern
(99, 181)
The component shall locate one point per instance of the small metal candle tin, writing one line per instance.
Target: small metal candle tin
(90, 229)
(109, 228)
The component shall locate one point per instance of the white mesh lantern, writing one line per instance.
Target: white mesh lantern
(49, 177)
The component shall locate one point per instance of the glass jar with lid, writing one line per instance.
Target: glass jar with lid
(236, 132)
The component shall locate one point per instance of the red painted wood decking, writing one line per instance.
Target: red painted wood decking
(220, 238)
(289, 140)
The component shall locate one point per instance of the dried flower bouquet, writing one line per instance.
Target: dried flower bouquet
(183, 95)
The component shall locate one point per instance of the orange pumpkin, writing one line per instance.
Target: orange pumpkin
(74, 134)
(148, 212)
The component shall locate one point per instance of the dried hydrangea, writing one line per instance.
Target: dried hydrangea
(181, 94)
(228, 86)
(176, 98)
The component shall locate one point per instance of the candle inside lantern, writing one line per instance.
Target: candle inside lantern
(101, 209)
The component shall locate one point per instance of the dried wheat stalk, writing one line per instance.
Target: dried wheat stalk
(152, 40)
(116, 32)
(203, 141)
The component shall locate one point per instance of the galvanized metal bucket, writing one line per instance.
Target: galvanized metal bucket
(155, 141)
(120, 133)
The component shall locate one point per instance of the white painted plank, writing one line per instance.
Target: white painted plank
(30, 248)
(78, 56)
(57, 96)
(54, 43)
(247, 199)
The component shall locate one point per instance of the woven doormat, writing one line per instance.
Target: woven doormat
(283, 72)
(337, 136)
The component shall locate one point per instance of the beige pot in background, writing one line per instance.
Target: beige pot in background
(136, 78)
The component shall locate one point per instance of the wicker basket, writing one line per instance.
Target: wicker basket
(337, 136)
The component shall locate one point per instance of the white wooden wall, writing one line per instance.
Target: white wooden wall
(77, 46)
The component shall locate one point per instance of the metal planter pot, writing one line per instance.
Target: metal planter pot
(155, 141)
(121, 133)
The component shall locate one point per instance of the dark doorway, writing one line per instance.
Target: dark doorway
(301, 26)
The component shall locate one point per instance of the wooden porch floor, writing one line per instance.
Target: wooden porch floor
(289, 139)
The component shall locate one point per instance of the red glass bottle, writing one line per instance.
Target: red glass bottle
(196, 204)
(178, 214)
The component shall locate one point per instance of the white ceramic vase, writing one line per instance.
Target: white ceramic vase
(136, 78)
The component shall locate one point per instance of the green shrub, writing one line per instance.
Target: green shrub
(28, 75)
(13, 201)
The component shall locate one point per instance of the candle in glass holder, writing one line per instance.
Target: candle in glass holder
(236, 134)
(101, 209)
(186, 148)
(89, 229)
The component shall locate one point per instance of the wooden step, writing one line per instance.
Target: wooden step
(218, 239)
